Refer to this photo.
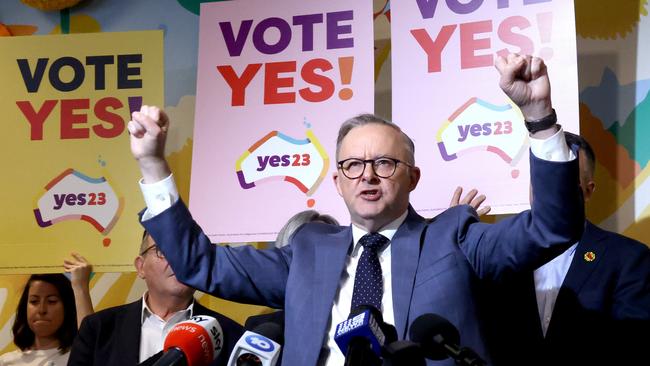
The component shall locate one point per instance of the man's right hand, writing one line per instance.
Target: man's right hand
(470, 199)
(148, 129)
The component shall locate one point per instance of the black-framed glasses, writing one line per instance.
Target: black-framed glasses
(156, 251)
(383, 167)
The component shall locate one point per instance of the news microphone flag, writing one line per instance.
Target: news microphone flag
(362, 325)
(194, 342)
(254, 349)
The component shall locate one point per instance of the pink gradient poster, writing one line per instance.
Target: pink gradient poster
(275, 81)
(446, 94)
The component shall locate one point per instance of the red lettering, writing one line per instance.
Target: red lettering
(273, 82)
(36, 119)
(526, 46)
(311, 77)
(238, 84)
(469, 44)
(433, 49)
(69, 119)
(113, 119)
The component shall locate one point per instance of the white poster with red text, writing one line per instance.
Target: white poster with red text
(446, 94)
(275, 82)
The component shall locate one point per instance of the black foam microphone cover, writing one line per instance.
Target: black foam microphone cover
(433, 332)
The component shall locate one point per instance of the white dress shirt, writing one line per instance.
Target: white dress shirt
(161, 195)
(343, 298)
(548, 280)
(155, 329)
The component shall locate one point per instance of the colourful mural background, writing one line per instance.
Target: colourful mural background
(614, 83)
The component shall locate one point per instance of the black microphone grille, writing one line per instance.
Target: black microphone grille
(373, 310)
(432, 331)
(270, 330)
(400, 353)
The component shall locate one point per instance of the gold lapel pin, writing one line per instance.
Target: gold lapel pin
(590, 256)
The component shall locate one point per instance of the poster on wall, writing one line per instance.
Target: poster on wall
(446, 94)
(69, 179)
(275, 82)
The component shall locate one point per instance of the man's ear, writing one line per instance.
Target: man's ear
(337, 180)
(138, 263)
(415, 177)
(589, 190)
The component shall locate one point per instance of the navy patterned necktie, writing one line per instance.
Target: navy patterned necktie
(368, 282)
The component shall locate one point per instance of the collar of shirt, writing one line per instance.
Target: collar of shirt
(146, 312)
(154, 329)
(387, 231)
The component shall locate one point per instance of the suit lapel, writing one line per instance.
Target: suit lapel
(330, 258)
(405, 255)
(129, 334)
(589, 252)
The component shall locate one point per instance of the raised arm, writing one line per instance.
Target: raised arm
(148, 129)
(525, 81)
(80, 271)
(556, 219)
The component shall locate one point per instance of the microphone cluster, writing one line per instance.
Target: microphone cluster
(194, 342)
(366, 340)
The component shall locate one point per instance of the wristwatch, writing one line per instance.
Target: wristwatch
(542, 123)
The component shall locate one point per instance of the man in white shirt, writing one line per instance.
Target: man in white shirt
(135, 332)
(413, 266)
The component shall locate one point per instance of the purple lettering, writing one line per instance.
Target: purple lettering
(334, 30)
(285, 36)
(307, 23)
(235, 45)
(464, 8)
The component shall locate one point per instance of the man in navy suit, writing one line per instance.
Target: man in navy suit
(588, 306)
(426, 267)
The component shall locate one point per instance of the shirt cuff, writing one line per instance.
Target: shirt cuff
(553, 148)
(158, 196)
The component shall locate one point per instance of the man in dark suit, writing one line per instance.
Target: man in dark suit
(588, 306)
(135, 332)
(412, 266)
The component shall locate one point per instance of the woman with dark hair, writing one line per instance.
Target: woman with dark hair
(46, 316)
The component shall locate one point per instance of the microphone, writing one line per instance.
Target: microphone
(400, 353)
(439, 339)
(194, 342)
(151, 360)
(362, 336)
(260, 347)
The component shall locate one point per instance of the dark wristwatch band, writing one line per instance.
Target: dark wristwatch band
(542, 123)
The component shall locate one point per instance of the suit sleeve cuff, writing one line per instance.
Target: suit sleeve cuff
(158, 196)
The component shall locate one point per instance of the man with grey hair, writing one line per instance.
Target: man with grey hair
(135, 333)
(390, 257)
(298, 220)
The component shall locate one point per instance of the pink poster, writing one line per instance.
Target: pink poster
(275, 82)
(446, 94)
